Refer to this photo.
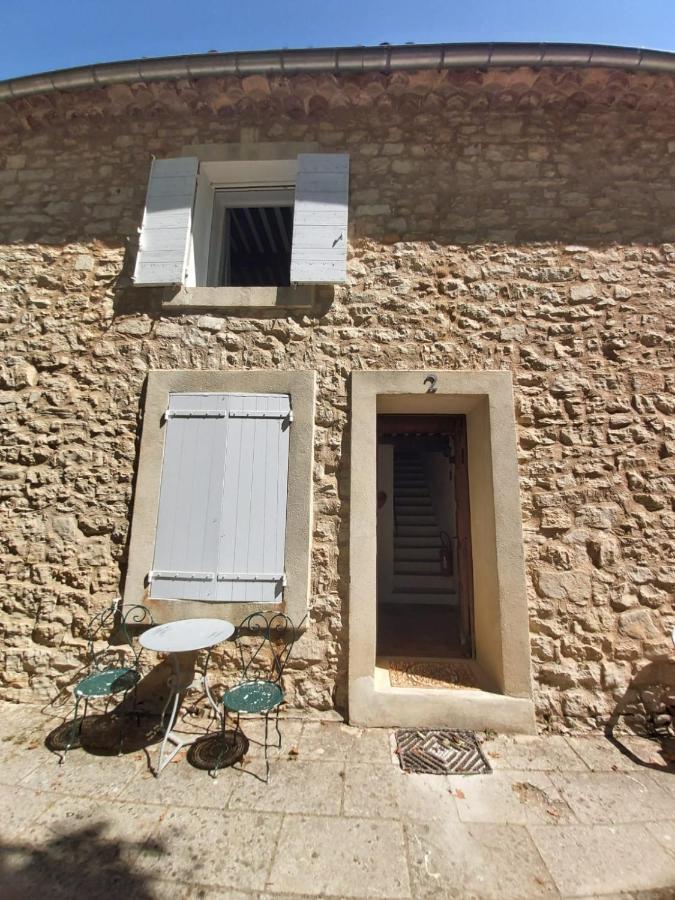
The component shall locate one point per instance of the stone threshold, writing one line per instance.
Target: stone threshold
(376, 703)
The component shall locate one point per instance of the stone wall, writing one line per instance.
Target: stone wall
(514, 220)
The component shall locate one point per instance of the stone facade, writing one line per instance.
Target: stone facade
(505, 219)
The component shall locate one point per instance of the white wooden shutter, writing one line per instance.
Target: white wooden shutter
(319, 253)
(191, 490)
(165, 232)
(253, 521)
(221, 525)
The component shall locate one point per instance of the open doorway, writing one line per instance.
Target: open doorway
(424, 569)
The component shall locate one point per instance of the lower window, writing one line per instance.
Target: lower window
(222, 517)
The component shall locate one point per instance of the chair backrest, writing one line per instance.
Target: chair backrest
(264, 642)
(112, 623)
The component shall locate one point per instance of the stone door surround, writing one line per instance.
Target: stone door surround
(500, 597)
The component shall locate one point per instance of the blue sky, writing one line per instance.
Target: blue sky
(39, 35)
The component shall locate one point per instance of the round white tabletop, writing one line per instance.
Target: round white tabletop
(186, 635)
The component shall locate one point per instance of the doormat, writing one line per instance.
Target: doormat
(416, 673)
(440, 752)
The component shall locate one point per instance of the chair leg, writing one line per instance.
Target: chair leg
(276, 725)
(73, 730)
(267, 762)
(121, 727)
(221, 756)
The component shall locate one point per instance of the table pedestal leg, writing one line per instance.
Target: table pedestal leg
(176, 688)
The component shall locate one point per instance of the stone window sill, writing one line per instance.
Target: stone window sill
(296, 297)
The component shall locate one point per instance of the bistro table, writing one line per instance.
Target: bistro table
(182, 640)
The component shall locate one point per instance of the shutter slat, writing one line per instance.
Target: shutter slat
(165, 232)
(320, 219)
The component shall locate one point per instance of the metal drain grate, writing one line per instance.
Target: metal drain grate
(440, 752)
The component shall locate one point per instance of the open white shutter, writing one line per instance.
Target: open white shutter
(221, 526)
(165, 233)
(319, 253)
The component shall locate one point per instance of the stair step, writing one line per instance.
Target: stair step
(449, 598)
(417, 531)
(417, 519)
(421, 541)
(426, 583)
(417, 567)
(414, 554)
(413, 499)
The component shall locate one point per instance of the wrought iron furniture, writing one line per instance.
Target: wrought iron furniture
(108, 676)
(264, 643)
(182, 640)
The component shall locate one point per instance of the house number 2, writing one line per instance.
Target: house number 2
(431, 381)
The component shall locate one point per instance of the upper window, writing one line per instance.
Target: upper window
(251, 236)
(245, 224)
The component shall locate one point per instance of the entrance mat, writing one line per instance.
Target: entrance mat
(440, 752)
(428, 673)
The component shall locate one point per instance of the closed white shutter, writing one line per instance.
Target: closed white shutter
(167, 219)
(319, 254)
(221, 525)
(253, 521)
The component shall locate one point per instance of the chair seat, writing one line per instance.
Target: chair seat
(110, 681)
(253, 696)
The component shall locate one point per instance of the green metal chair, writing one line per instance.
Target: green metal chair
(109, 678)
(264, 644)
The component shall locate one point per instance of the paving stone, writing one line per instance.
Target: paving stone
(664, 778)
(372, 745)
(599, 859)
(614, 797)
(212, 848)
(85, 775)
(373, 791)
(428, 798)
(96, 833)
(20, 808)
(601, 755)
(509, 797)
(294, 787)
(291, 730)
(179, 784)
(664, 832)
(323, 856)
(481, 862)
(321, 740)
(542, 754)
(23, 761)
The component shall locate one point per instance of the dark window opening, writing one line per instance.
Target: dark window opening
(258, 246)
(252, 234)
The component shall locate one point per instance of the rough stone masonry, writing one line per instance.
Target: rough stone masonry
(504, 219)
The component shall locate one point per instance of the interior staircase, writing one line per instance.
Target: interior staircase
(417, 565)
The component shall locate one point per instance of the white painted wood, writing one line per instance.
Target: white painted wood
(190, 497)
(167, 220)
(320, 219)
(201, 231)
(186, 635)
(222, 512)
(253, 523)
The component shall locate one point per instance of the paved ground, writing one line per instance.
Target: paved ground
(559, 817)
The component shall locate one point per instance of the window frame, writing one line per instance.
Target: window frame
(297, 556)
